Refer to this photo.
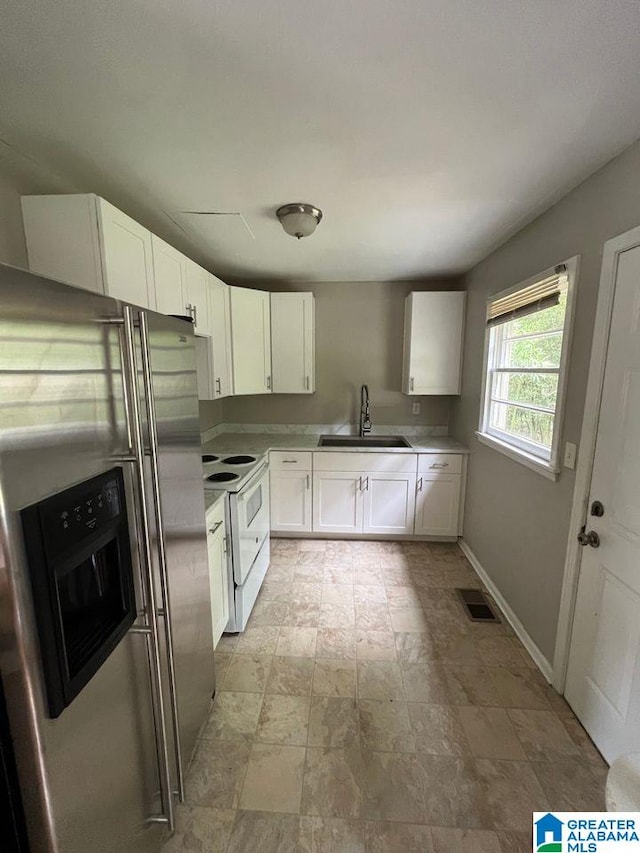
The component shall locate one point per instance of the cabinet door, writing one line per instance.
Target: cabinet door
(197, 297)
(337, 502)
(389, 503)
(292, 343)
(250, 341)
(433, 343)
(170, 274)
(291, 501)
(127, 257)
(220, 320)
(438, 504)
(204, 369)
(218, 577)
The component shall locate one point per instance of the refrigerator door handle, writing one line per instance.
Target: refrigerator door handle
(159, 716)
(162, 555)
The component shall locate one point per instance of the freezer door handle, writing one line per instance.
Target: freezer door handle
(161, 551)
(159, 716)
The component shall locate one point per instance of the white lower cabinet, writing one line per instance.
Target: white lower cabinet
(439, 494)
(290, 490)
(437, 504)
(364, 493)
(389, 503)
(367, 493)
(218, 571)
(337, 502)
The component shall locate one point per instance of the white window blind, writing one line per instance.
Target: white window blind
(536, 297)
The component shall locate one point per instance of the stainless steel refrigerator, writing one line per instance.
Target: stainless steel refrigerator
(106, 653)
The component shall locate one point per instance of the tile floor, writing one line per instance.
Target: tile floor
(361, 712)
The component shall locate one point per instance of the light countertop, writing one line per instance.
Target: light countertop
(250, 442)
(212, 498)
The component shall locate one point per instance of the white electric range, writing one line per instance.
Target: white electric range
(245, 478)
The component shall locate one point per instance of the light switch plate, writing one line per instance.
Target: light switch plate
(415, 409)
(570, 451)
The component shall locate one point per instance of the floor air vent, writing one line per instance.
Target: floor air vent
(476, 605)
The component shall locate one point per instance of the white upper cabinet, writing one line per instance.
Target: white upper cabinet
(170, 273)
(220, 314)
(213, 353)
(292, 343)
(87, 242)
(197, 297)
(250, 341)
(433, 333)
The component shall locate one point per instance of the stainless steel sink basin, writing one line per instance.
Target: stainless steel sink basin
(359, 441)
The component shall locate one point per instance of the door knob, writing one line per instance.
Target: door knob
(590, 538)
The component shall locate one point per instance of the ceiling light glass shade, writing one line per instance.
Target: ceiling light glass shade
(299, 220)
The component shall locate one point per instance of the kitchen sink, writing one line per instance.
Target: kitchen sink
(366, 441)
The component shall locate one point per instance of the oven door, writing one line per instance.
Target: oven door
(251, 526)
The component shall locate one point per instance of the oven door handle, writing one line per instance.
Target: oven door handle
(150, 630)
(147, 379)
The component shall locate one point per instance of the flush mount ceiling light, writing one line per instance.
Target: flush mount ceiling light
(299, 220)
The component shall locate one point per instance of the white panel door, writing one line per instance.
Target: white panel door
(337, 502)
(437, 504)
(170, 274)
(250, 341)
(127, 257)
(292, 343)
(218, 575)
(433, 342)
(603, 680)
(197, 296)
(220, 318)
(291, 501)
(389, 503)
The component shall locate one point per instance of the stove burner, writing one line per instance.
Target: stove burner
(223, 477)
(209, 457)
(239, 460)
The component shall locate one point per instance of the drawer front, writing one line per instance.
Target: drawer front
(350, 460)
(440, 463)
(290, 460)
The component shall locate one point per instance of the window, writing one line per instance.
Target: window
(527, 342)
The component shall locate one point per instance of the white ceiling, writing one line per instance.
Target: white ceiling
(427, 130)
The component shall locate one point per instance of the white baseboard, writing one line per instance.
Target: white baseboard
(539, 659)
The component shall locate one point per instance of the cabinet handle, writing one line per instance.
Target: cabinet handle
(218, 387)
(224, 544)
(189, 309)
(289, 461)
(360, 484)
(308, 482)
(195, 315)
(439, 465)
(367, 484)
(411, 384)
(213, 529)
(307, 383)
(269, 383)
(419, 485)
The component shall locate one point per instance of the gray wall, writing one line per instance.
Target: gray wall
(517, 522)
(19, 176)
(211, 414)
(359, 333)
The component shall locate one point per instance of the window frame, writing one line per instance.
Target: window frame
(520, 449)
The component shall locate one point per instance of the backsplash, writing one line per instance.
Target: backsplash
(324, 429)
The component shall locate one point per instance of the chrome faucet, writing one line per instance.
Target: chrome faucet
(365, 417)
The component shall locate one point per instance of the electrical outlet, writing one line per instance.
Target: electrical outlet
(415, 409)
(570, 452)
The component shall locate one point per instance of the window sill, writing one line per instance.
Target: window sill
(526, 459)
